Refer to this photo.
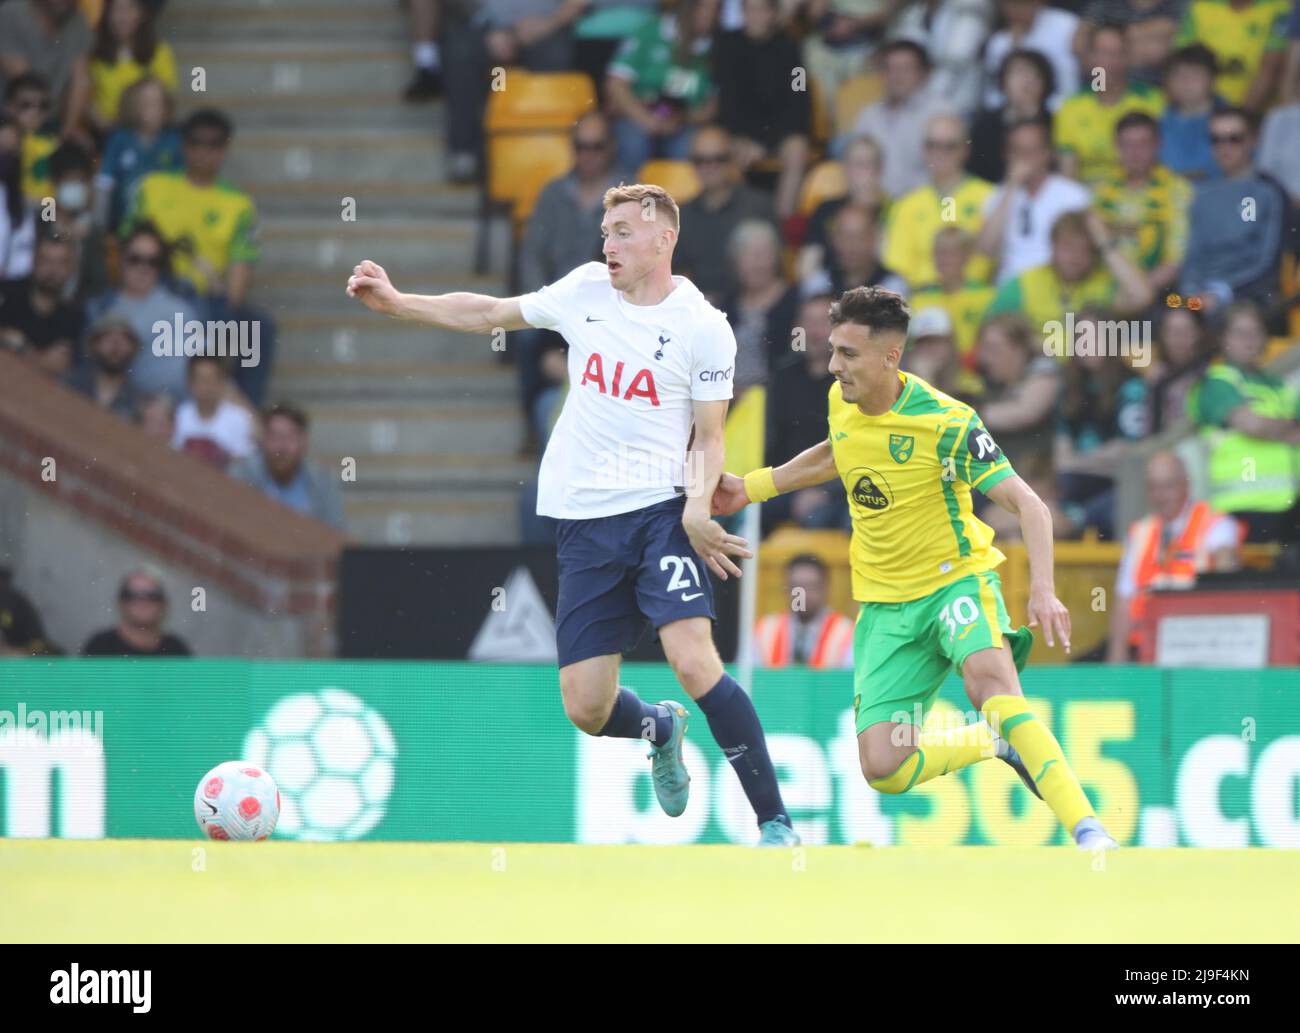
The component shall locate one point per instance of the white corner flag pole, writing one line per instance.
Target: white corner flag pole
(749, 530)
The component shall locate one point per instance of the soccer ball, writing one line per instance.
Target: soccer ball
(334, 758)
(236, 800)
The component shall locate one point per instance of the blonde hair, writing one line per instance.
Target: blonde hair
(647, 195)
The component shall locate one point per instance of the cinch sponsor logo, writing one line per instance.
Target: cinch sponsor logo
(217, 338)
(708, 376)
(72, 986)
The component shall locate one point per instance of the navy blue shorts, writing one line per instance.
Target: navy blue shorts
(618, 572)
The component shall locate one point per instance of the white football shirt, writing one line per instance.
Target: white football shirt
(634, 371)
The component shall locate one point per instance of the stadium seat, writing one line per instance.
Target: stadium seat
(853, 95)
(532, 102)
(824, 181)
(677, 177)
(823, 122)
(520, 166)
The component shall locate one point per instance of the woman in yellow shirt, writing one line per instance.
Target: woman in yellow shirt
(127, 49)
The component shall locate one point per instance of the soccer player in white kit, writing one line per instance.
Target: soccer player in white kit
(650, 373)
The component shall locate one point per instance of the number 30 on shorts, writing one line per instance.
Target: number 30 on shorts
(961, 610)
(677, 583)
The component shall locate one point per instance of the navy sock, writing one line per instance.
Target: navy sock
(631, 718)
(735, 725)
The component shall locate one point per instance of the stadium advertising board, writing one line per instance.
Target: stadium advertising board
(482, 752)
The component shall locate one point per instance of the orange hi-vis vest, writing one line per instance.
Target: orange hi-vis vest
(774, 641)
(1186, 559)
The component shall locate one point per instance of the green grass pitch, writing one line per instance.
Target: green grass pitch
(165, 890)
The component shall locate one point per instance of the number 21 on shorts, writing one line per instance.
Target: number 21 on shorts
(677, 583)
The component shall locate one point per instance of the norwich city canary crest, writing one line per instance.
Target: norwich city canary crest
(900, 447)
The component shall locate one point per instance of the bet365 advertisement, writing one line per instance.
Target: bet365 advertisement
(456, 751)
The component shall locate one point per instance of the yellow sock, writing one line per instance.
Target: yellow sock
(937, 753)
(1012, 719)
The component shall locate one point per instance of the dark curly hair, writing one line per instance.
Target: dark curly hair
(872, 307)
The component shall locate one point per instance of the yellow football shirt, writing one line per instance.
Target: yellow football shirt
(1042, 297)
(1085, 127)
(916, 217)
(1239, 37)
(209, 227)
(1150, 222)
(965, 307)
(908, 474)
(110, 81)
(36, 151)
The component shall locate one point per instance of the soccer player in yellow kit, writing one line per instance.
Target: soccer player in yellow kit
(923, 567)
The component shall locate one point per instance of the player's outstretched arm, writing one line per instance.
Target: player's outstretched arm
(1016, 497)
(811, 467)
(469, 313)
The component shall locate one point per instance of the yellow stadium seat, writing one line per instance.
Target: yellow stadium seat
(677, 177)
(853, 95)
(532, 101)
(822, 123)
(520, 165)
(824, 181)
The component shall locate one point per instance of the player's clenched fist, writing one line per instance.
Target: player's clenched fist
(371, 285)
(729, 496)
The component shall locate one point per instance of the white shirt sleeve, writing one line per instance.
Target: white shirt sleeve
(548, 307)
(713, 361)
(1222, 534)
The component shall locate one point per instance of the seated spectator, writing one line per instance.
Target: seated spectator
(144, 143)
(950, 197)
(1145, 206)
(1177, 541)
(1019, 216)
(844, 34)
(767, 118)
(1229, 256)
(27, 108)
(1149, 30)
(1185, 125)
(127, 49)
(35, 318)
(809, 633)
(953, 34)
(855, 247)
(603, 28)
(17, 219)
(1021, 388)
(22, 632)
(1084, 129)
(562, 234)
(763, 308)
(1032, 25)
(862, 165)
(963, 299)
(1103, 413)
(931, 354)
(796, 421)
(158, 417)
(1182, 354)
(1250, 422)
(103, 376)
(1279, 149)
(143, 300)
(1249, 41)
(1025, 80)
(280, 470)
(661, 87)
(208, 424)
(142, 608)
(711, 217)
(899, 118)
(211, 227)
(72, 171)
(1086, 267)
(52, 39)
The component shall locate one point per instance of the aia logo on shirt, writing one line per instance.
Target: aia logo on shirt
(639, 385)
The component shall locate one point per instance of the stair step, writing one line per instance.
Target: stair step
(461, 429)
(394, 382)
(392, 520)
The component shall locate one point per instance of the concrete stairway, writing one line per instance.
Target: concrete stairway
(431, 418)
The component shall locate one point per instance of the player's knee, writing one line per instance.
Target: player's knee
(882, 771)
(586, 715)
